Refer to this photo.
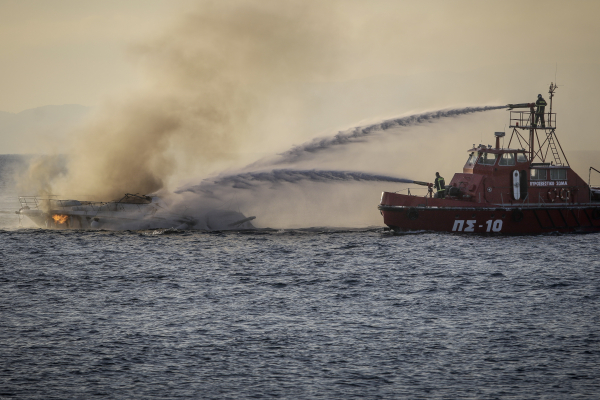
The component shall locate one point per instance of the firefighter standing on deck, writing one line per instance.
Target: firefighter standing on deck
(539, 113)
(440, 186)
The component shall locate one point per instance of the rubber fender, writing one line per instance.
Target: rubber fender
(517, 215)
(412, 214)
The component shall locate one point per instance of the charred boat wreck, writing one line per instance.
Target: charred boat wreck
(131, 212)
(526, 190)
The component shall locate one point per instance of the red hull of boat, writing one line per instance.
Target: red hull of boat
(437, 216)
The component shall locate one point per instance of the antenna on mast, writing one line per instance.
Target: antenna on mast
(553, 87)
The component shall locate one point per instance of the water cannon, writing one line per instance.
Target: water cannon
(429, 187)
(520, 105)
(423, 183)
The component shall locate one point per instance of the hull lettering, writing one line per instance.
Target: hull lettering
(491, 225)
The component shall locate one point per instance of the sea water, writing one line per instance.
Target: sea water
(297, 314)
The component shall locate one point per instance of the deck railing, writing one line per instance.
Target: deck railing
(34, 202)
(30, 202)
(522, 119)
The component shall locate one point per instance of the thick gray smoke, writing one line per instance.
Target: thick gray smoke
(250, 180)
(358, 134)
(207, 82)
(211, 83)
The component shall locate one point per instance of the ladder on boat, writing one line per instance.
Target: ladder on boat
(552, 147)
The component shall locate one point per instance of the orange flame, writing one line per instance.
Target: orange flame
(60, 219)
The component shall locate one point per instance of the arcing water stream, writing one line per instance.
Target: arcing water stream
(361, 133)
(250, 180)
(259, 171)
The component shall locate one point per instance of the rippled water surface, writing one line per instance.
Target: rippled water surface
(297, 314)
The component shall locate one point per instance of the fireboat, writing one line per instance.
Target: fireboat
(526, 190)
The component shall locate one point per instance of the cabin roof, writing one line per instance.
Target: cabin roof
(495, 151)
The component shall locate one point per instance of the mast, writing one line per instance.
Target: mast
(531, 134)
(551, 91)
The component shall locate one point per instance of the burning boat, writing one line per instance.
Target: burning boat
(131, 212)
(526, 190)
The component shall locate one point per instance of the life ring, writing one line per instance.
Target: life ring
(412, 214)
(517, 215)
(565, 194)
(552, 196)
(596, 213)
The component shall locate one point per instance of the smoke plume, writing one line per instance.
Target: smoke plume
(208, 85)
(204, 80)
(42, 170)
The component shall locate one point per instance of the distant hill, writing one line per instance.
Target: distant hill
(39, 130)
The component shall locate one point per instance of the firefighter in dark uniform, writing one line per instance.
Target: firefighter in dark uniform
(440, 186)
(539, 113)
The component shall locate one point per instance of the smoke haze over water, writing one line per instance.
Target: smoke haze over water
(205, 79)
(209, 83)
(230, 85)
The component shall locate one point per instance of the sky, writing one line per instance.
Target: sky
(282, 72)
(72, 52)
(65, 52)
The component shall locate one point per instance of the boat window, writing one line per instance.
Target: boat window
(507, 159)
(538, 175)
(472, 159)
(521, 157)
(487, 159)
(558, 174)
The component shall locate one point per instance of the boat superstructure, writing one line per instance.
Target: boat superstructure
(527, 189)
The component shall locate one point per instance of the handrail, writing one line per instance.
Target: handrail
(408, 189)
(524, 120)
